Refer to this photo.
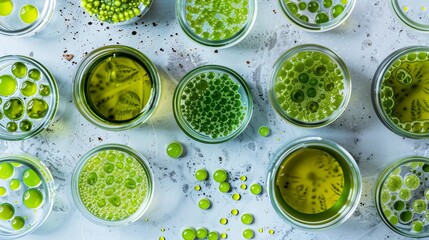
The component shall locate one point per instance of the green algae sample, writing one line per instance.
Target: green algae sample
(29, 14)
(28, 88)
(6, 171)
(174, 150)
(224, 187)
(6, 7)
(201, 174)
(317, 12)
(247, 218)
(264, 131)
(309, 86)
(189, 234)
(15, 184)
(248, 233)
(216, 19)
(14, 108)
(120, 11)
(32, 198)
(31, 178)
(34, 74)
(18, 223)
(113, 185)
(44, 90)
(19, 69)
(37, 108)
(8, 85)
(25, 125)
(256, 188)
(6, 211)
(204, 204)
(220, 175)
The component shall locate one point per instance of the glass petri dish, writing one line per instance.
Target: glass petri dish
(216, 23)
(310, 86)
(27, 193)
(399, 93)
(116, 88)
(315, 207)
(413, 13)
(317, 15)
(212, 104)
(112, 185)
(28, 97)
(24, 18)
(402, 196)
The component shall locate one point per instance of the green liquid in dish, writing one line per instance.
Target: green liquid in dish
(31, 178)
(14, 109)
(309, 86)
(44, 90)
(216, 19)
(174, 149)
(37, 108)
(19, 69)
(34, 74)
(318, 12)
(120, 11)
(405, 92)
(33, 198)
(118, 88)
(29, 14)
(8, 85)
(113, 185)
(6, 7)
(28, 88)
(6, 211)
(211, 104)
(18, 223)
(6, 171)
(403, 198)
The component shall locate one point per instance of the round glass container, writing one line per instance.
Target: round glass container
(413, 13)
(317, 15)
(131, 15)
(27, 186)
(125, 180)
(19, 18)
(212, 104)
(399, 92)
(116, 88)
(216, 23)
(402, 196)
(346, 200)
(310, 86)
(28, 97)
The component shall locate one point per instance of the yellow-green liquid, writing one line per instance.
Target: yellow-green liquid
(6, 7)
(29, 14)
(119, 88)
(310, 180)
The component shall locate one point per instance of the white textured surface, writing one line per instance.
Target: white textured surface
(369, 35)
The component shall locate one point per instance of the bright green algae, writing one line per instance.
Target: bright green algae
(309, 86)
(404, 92)
(403, 197)
(211, 104)
(316, 11)
(217, 19)
(113, 185)
(115, 11)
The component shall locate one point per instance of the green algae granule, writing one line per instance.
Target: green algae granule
(417, 226)
(11, 126)
(248, 234)
(19, 69)
(264, 131)
(37, 108)
(220, 175)
(8, 85)
(120, 10)
(224, 187)
(216, 19)
(256, 188)
(29, 14)
(14, 108)
(3, 191)
(174, 150)
(204, 203)
(201, 174)
(189, 234)
(25, 125)
(18, 223)
(202, 233)
(236, 196)
(213, 236)
(6, 211)
(6, 7)
(28, 88)
(34, 74)
(113, 184)
(223, 236)
(15, 184)
(33, 198)
(44, 90)
(211, 104)
(234, 212)
(31, 178)
(223, 221)
(247, 218)
(6, 171)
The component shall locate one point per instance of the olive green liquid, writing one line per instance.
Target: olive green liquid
(118, 88)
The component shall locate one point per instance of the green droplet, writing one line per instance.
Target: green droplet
(321, 17)
(223, 221)
(6, 7)
(302, 6)
(201, 174)
(92, 178)
(243, 186)
(37, 108)
(3, 191)
(220, 175)
(15, 184)
(313, 6)
(108, 167)
(33, 198)
(19, 70)
(213, 236)
(297, 96)
(419, 205)
(311, 92)
(130, 183)
(14, 108)
(406, 216)
(313, 106)
(224, 187)
(101, 203)
(412, 181)
(202, 233)
(6, 211)
(18, 223)
(29, 14)
(292, 7)
(247, 218)
(303, 78)
(234, 212)
(417, 226)
(337, 10)
(174, 150)
(6, 171)
(223, 236)
(189, 234)
(394, 183)
(399, 205)
(405, 194)
(264, 131)
(25, 125)
(327, 3)
(248, 234)
(34, 74)
(236, 196)
(204, 203)
(8, 85)
(115, 201)
(12, 126)
(256, 189)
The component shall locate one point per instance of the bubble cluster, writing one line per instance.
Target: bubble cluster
(216, 19)
(317, 12)
(403, 92)
(404, 197)
(113, 184)
(116, 10)
(211, 104)
(309, 86)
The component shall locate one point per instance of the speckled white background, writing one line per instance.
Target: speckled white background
(367, 37)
